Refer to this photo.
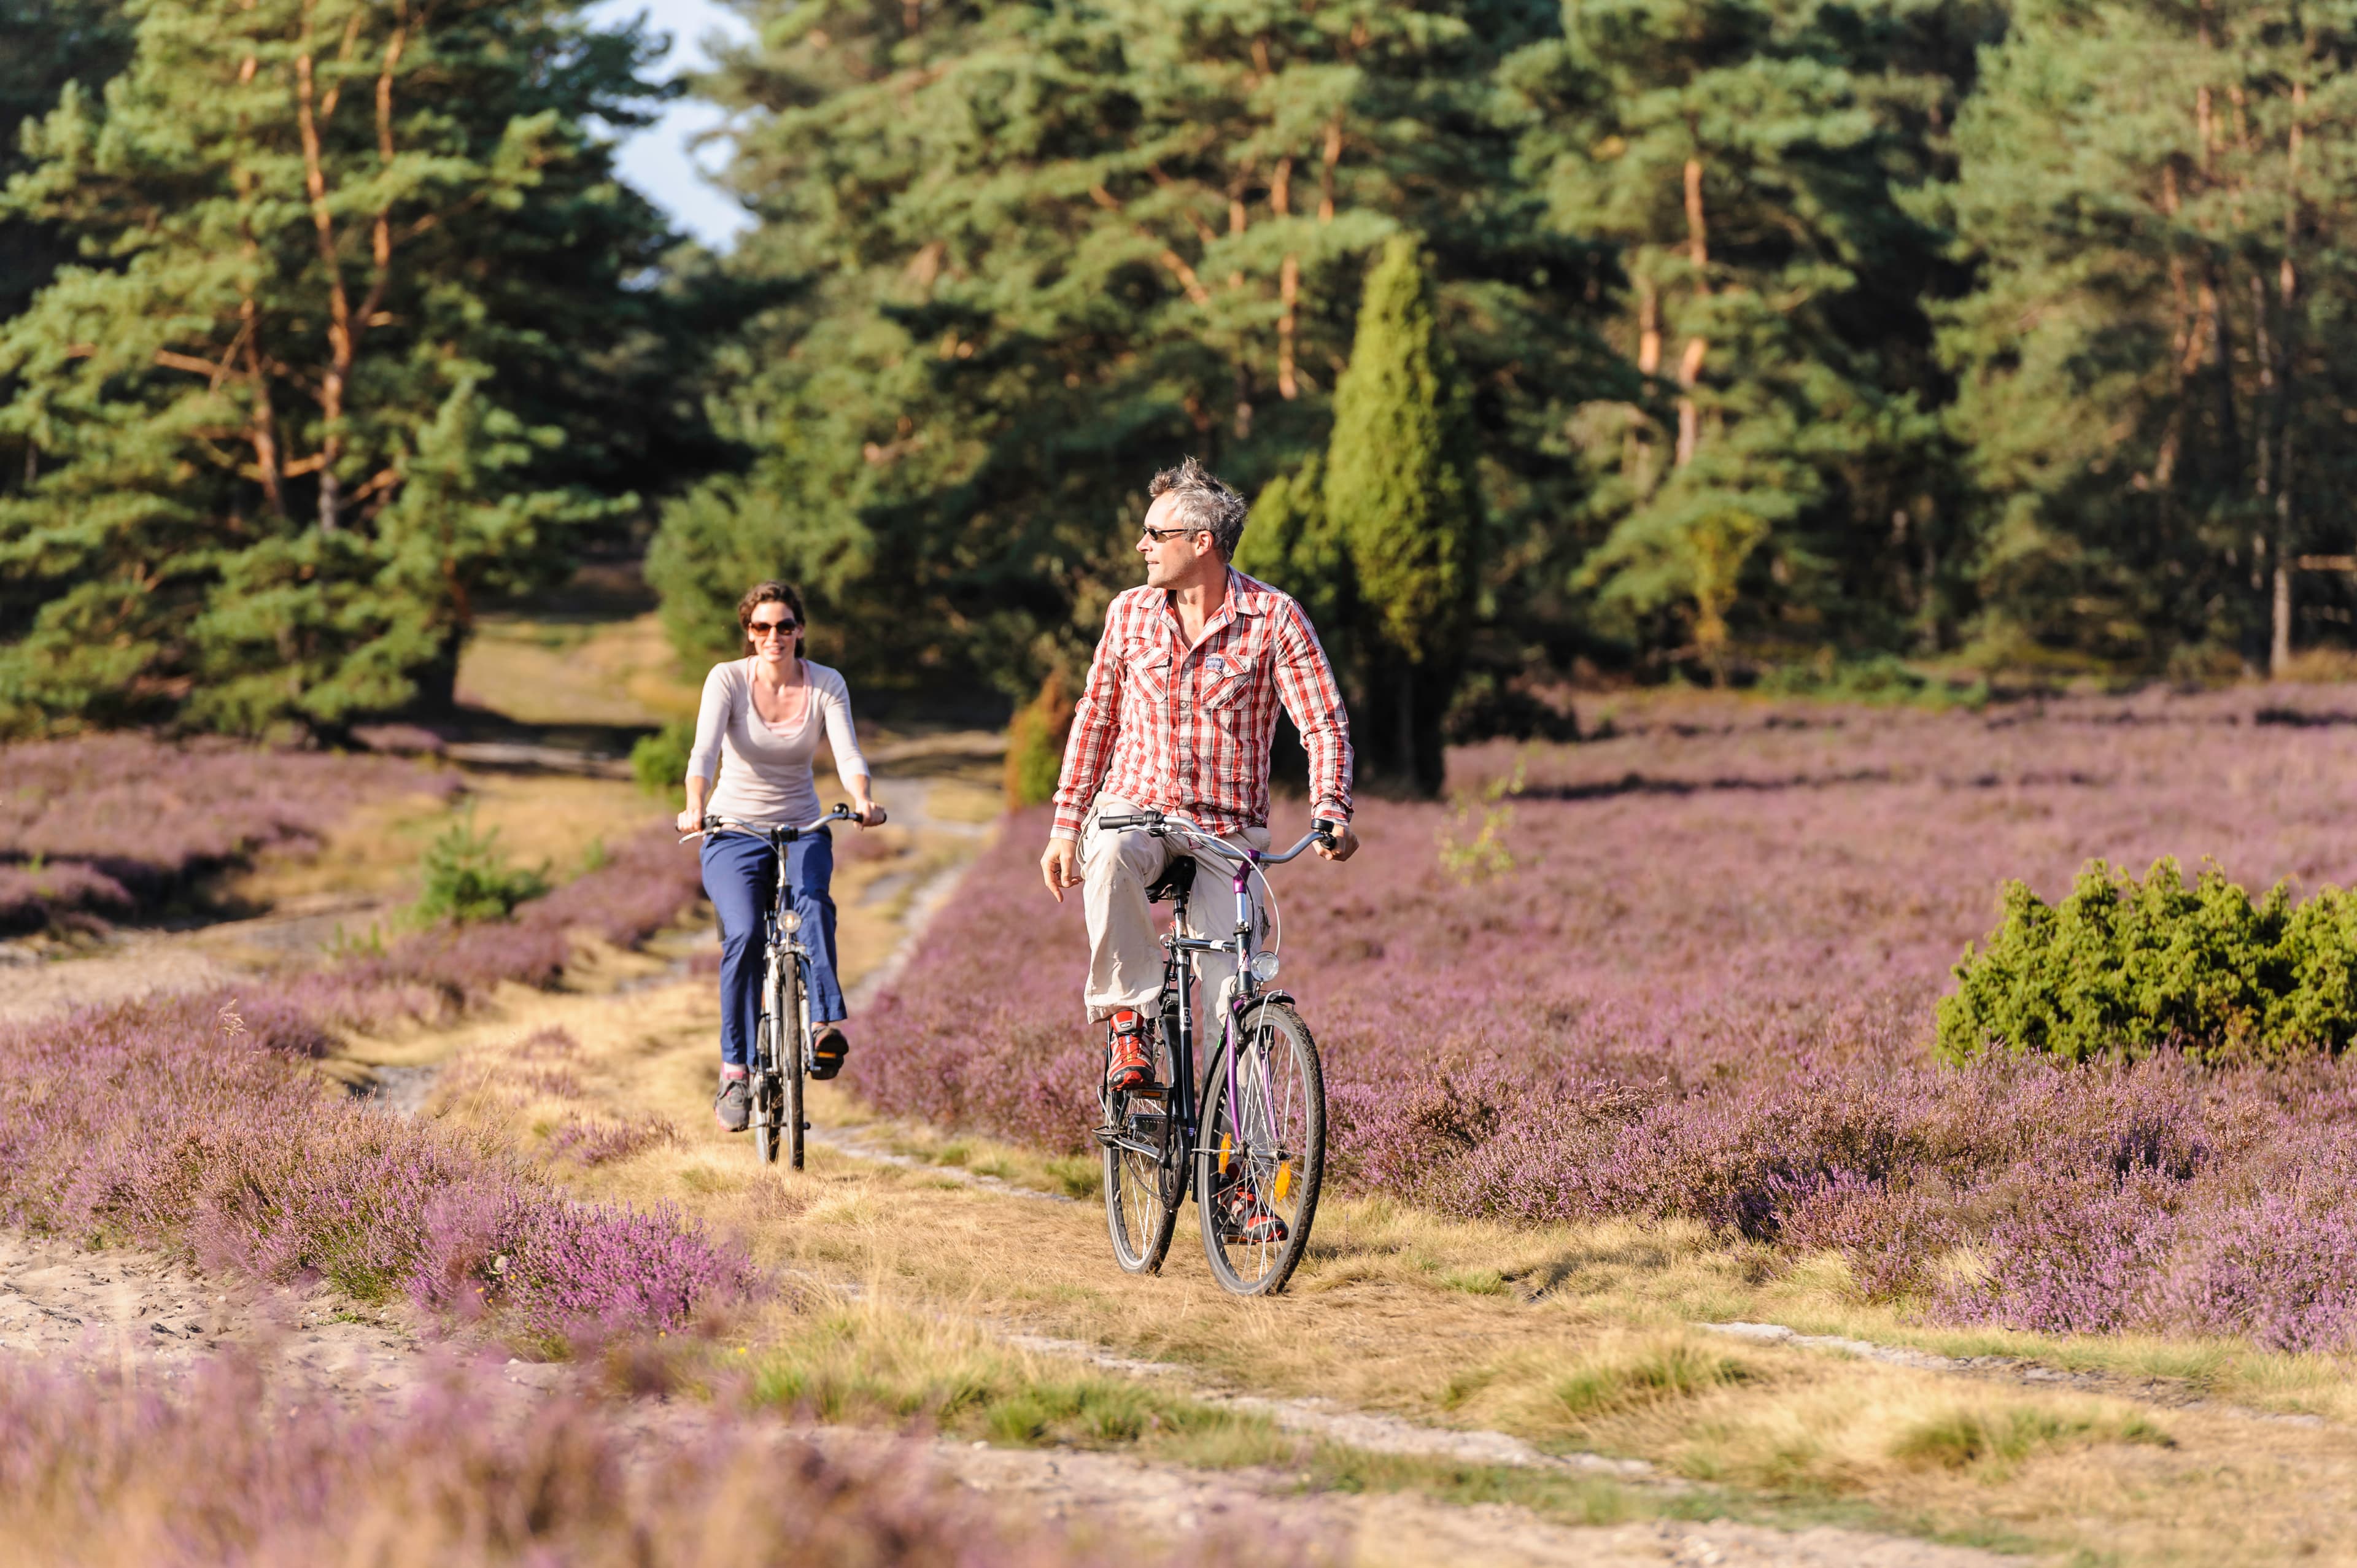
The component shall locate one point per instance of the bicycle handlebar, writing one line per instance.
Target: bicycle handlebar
(842, 813)
(1322, 832)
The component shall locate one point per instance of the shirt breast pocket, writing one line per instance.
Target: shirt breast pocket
(1149, 673)
(1225, 687)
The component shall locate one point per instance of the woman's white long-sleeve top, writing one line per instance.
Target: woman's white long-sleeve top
(764, 772)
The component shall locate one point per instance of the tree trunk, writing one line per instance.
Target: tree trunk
(2287, 297)
(1690, 361)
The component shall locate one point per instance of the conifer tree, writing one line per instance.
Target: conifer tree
(1401, 495)
(1775, 457)
(43, 44)
(2154, 372)
(345, 352)
(1040, 251)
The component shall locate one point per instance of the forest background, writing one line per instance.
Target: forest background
(1734, 341)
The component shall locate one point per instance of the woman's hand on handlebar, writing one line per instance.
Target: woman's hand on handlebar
(689, 822)
(868, 813)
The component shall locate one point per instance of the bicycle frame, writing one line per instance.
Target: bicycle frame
(782, 944)
(1248, 985)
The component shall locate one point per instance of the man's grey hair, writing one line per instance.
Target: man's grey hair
(1204, 505)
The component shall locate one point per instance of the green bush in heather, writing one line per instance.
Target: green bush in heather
(1035, 744)
(659, 761)
(2122, 968)
(469, 878)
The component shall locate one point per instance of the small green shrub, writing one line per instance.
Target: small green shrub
(2122, 968)
(1877, 679)
(659, 761)
(1035, 744)
(468, 876)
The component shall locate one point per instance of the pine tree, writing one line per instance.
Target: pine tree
(45, 44)
(1401, 495)
(347, 350)
(2155, 370)
(1771, 456)
(1040, 251)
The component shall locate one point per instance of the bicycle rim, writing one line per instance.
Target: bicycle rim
(765, 1104)
(1141, 1208)
(1264, 1159)
(795, 1063)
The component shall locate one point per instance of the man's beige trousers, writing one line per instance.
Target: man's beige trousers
(1125, 952)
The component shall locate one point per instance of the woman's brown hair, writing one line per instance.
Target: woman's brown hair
(770, 593)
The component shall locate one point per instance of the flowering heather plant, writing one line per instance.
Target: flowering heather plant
(238, 1469)
(642, 886)
(1706, 986)
(207, 1143)
(107, 824)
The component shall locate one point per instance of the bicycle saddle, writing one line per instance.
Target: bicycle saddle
(1175, 879)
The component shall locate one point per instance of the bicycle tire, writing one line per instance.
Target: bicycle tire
(1141, 1196)
(1275, 1152)
(795, 1063)
(764, 1087)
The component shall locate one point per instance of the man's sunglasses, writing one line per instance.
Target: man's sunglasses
(1159, 535)
(772, 627)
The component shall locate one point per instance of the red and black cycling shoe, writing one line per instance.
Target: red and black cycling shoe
(1131, 1068)
(1244, 1218)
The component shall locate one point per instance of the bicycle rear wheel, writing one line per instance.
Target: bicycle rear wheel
(1262, 1158)
(764, 1087)
(1143, 1163)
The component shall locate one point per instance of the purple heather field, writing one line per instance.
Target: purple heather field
(1705, 988)
(97, 1470)
(105, 825)
(212, 1141)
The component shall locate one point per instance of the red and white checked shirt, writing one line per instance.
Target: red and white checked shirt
(1188, 729)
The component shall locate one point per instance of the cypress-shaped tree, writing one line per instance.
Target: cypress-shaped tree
(1401, 493)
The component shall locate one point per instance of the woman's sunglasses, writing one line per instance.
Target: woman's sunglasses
(772, 627)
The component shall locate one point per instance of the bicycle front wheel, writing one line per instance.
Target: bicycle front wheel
(1143, 1162)
(1263, 1158)
(794, 1061)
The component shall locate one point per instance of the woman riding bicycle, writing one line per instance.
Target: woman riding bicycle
(758, 728)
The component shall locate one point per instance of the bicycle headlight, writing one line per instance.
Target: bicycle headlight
(789, 922)
(1263, 967)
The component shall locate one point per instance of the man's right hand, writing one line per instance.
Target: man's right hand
(1060, 866)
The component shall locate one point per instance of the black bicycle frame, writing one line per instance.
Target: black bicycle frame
(1182, 1049)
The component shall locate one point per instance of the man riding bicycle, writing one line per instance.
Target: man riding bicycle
(1178, 716)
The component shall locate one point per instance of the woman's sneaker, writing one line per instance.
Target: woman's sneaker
(734, 1104)
(827, 1052)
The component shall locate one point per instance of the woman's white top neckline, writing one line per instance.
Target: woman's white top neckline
(794, 727)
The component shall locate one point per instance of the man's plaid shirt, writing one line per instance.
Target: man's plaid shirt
(1188, 729)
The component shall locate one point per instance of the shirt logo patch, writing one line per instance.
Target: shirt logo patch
(1216, 665)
